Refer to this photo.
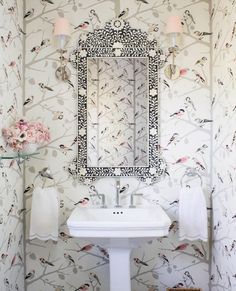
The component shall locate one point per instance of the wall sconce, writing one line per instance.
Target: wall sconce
(62, 36)
(173, 29)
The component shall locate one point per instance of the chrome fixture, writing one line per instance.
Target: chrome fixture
(173, 29)
(118, 194)
(132, 199)
(62, 36)
(100, 196)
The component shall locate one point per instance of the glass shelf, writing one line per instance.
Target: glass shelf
(18, 156)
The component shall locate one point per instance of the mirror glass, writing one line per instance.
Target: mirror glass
(118, 101)
(117, 112)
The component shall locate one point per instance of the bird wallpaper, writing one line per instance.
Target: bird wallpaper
(11, 176)
(223, 106)
(185, 123)
(196, 130)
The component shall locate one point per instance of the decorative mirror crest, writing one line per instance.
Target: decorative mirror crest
(118, 40)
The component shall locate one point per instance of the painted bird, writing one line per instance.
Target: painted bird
(69, 258)
(35, 49)
(163, 258)
(64, 236)
(44, 2)
(29, 188)
(188, 18)
(86, 248)
(45, 173)
(44, 87)
(199, 77)
(93, 15)
(28, 101)
(178, 113)
(83, 201)
(197, 250)
(174, 226)
(30, 275)
(201, 34)
(138, 262)
(187, 274)
(64, 149)
(3, 258)
(84, 287)
(142, 1)
(21, 30)
(201, 61)
(45, 262)
(94, 278)
(29, 13)
(83, 25)
(124, 188)
(202, 122)
(182, 160)
(123, 13)
(181, 247)
(190, 102)
(45, 42)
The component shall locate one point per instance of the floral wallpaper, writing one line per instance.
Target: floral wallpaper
(11, 180)
(223, 275)
(185, 122)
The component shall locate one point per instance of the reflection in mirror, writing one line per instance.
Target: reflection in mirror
(117, 112)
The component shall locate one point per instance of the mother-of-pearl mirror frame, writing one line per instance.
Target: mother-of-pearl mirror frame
(118, 39)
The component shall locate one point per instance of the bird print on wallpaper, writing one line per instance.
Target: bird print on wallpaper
(124, 13)
(139, 262)
(69, 258)
(44, 2)
(181, 247)
(29, 13)
(86, 248)
(188, 18)
(44, 262)
(83, 25)
(94, 280)
(201, 34)
(84, 287)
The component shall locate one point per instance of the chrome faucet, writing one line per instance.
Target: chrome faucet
(118, 194)
(100, 196)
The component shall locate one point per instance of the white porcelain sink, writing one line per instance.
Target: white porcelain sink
(118, 222)
(119, 230)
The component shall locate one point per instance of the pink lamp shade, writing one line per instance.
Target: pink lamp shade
(62, 27)
(61, 32)
(174, 25)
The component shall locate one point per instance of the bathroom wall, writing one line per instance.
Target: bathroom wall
(11, 180)
(224, 135)
(185, 142)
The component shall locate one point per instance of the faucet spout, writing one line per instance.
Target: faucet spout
(118, 194)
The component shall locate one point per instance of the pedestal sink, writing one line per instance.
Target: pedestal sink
(119, 230)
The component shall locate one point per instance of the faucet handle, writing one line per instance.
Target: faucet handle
(132, 199)
(103, 205)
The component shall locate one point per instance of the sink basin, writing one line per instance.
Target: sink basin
(119, 230)
(118, 222)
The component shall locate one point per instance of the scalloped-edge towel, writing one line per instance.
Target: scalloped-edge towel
(44, 214)
(192, 214)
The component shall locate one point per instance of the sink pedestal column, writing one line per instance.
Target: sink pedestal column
(119, 269)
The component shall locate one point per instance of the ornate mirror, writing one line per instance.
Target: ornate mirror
(118, 76)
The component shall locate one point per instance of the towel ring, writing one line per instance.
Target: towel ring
(191, 173)
(45, 174)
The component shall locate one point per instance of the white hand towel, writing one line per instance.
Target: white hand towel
(44, 214)
(192, 214)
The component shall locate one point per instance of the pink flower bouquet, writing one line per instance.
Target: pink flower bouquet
(24, 132)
